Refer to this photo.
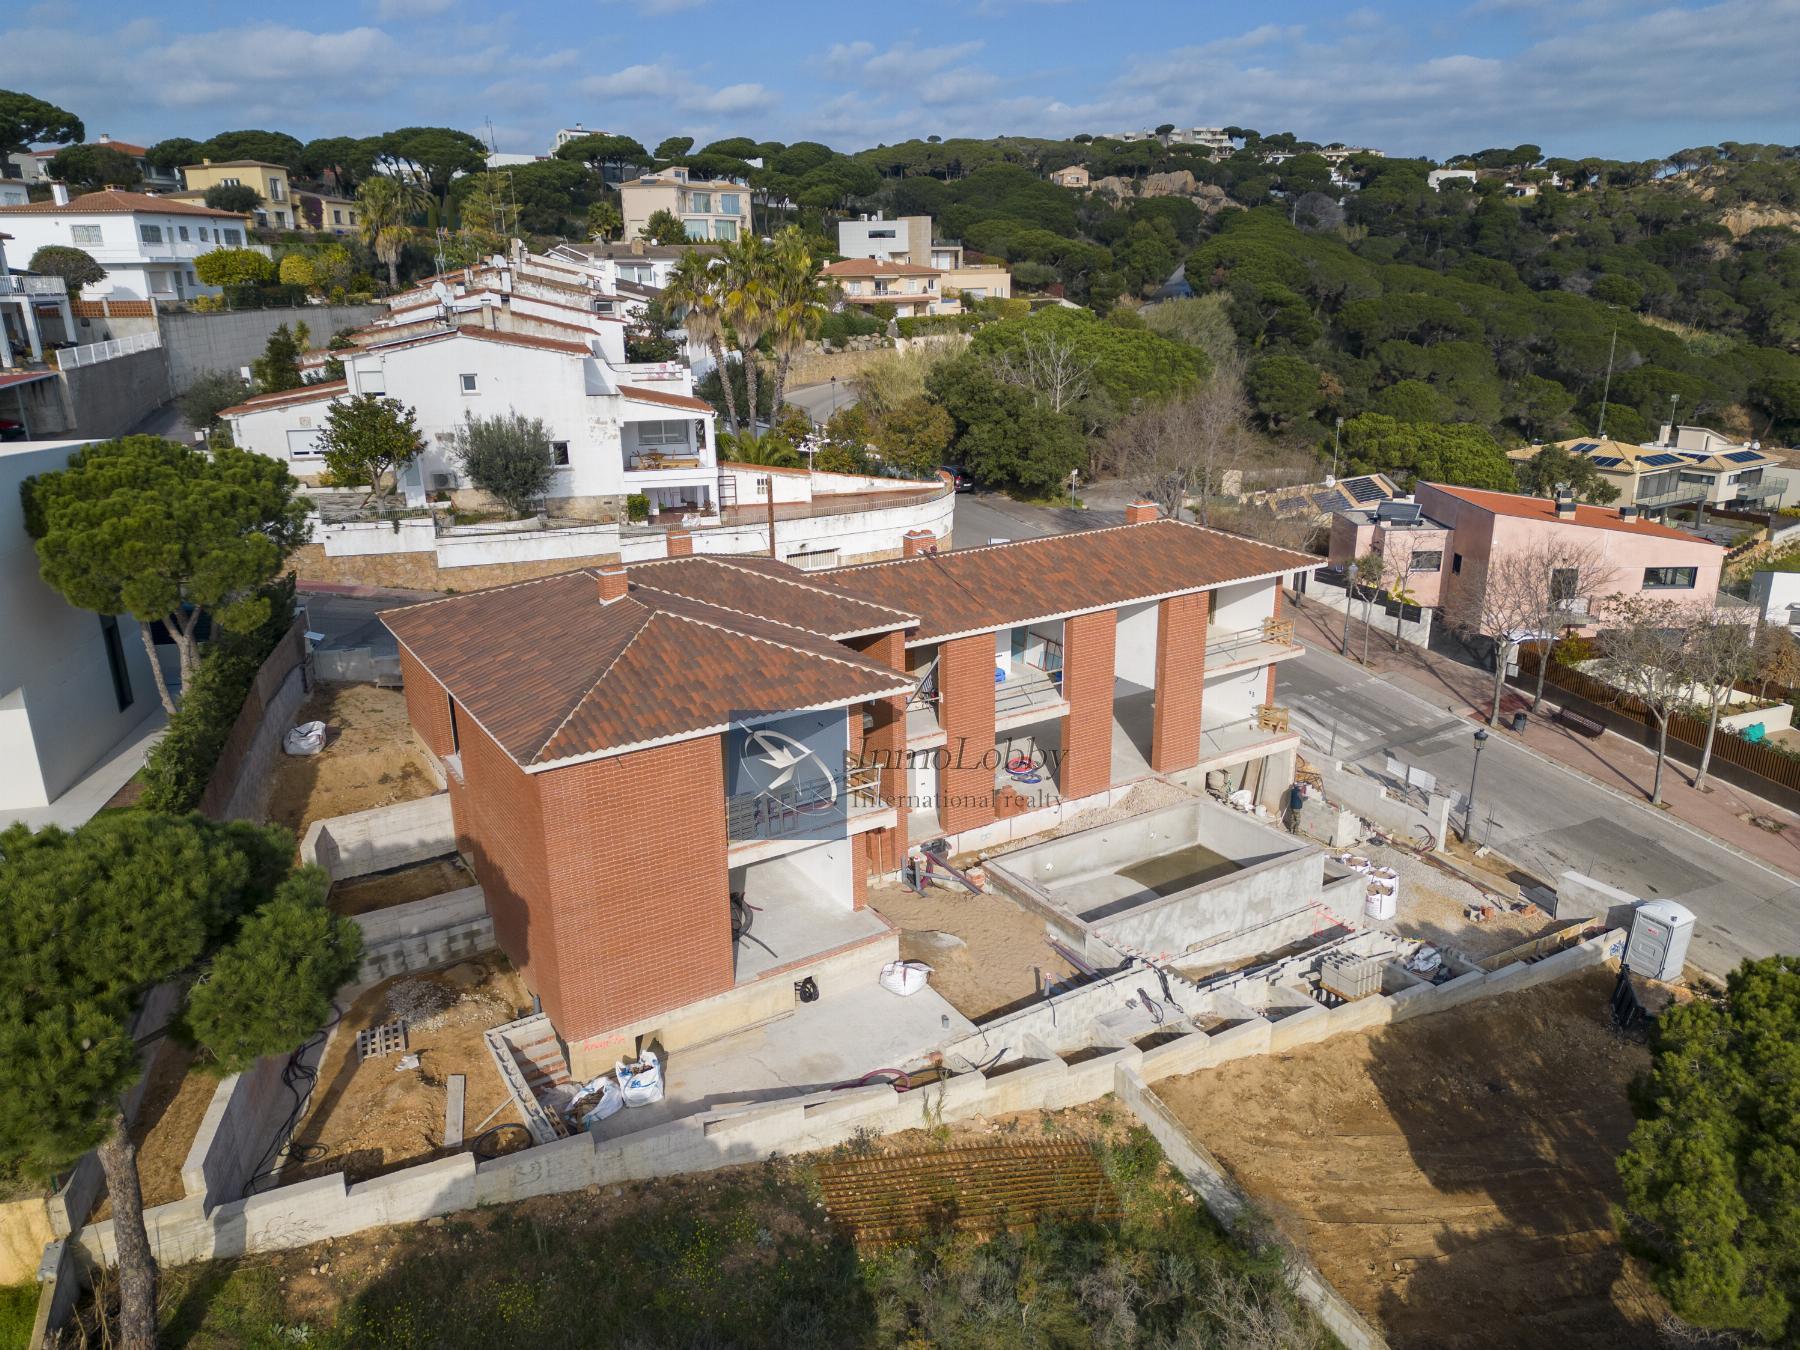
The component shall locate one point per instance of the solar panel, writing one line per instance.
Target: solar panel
(1586, 446)
(1606, 461)
(1364, 489)
(1662, 459)
(1744, 456)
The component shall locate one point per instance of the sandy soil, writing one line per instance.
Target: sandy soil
(369, 760)
(401, 886)
(368, 1118)
(984, 950)
(174, 1104)
(1452, 1175)
(1433, 901)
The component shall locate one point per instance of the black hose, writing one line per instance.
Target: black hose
(298, 1078)
(1151, 1006)
(1168, 998)
(488, 1154)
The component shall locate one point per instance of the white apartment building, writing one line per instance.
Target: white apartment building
(616, 429)
(147, 244)
(27, 305)
(712, 209)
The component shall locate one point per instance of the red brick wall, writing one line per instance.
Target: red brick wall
(635, 848)
(1269, 696)
(1088, 644)
(1180, 680)
(426, 706)
(859, 871)
(885, 742)
(500, 827)
(966, 781)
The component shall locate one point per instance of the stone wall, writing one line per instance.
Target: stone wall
(381, 837)
(420, 571)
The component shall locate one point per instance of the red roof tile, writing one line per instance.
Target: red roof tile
(1542, 508)
(766, 589)
(638, 394)
(875, 267)
(116, 201)
(306, 393)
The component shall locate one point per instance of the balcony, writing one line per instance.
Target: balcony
(1246, 648)
(1772, 487)
(53, 287)
(819, 808)
(1682, 494)
(1246, 738)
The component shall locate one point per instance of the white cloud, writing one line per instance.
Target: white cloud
(732, 100)
(661, 82)
(901, 64)
(389, 10)
(652, 8)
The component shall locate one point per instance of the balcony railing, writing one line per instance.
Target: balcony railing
(1676, 496)
(67, 358)
(1233, 643)
(1771, 486)
(662, 461)
(33, 286)
(818, 807)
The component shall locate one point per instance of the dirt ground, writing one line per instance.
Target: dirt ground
(1451, 1175)
(1433, 901)
(370, 1117)
(984, 951)
(370, 758)
(174, 1104)
(401, 886)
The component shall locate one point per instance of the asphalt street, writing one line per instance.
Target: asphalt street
(1542, 816)
(349, 621)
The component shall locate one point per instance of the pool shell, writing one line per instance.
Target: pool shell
(1168, 882)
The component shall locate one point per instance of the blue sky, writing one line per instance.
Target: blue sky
(1608, 77)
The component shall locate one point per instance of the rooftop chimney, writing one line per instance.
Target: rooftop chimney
(1565, 508)
(915, 542)
(1140, 511)
(612, 583)
(680, 544)
(1628, 513)
(59, 193)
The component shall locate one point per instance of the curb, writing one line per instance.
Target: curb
(1573, 772)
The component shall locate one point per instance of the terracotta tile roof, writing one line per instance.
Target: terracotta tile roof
(874, 267)
(235, 164)
(554, 675)
(116, 201)
(481, 335)
(638, 394)
(973, 590)
(306, 393)
(1542, 508)
(770, 590)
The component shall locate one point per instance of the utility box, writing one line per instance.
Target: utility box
(1660, 933)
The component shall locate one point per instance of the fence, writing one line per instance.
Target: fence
(357, 665)
(1759, 768)
(95, 352)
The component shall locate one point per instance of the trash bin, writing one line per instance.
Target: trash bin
(1519, 722)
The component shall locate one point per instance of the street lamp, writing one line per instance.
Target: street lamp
(833, 412)
(1481, 736)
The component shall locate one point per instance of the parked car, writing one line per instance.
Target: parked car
(11, 431)
(958, 479)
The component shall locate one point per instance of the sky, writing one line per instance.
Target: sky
(1411, 77)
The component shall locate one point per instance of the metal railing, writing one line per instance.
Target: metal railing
(1279, 632)
(815, 805)
(95, 352)
(1035, 689)
(1675, 496)
(1770, 486)
(33, 286)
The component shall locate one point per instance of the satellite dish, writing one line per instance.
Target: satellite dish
(442, 292)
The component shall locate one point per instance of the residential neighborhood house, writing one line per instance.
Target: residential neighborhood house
(34, 315)
(1683, 467)
(33, 166)
(147, 244)
(1075, 176)
(712, 209)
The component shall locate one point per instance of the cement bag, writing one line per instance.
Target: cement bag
(306, 739)
(904, 978)
(640, 1080)
(1381, 903)
(606, 1100)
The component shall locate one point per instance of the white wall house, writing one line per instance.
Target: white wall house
(73, 684)
(616, 428)
(147, 244)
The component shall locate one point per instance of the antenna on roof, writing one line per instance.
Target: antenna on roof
(1600, 431)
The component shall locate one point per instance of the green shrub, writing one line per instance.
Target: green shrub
(922, 324)
(18, 1314)
(637, 507)
(182, 762)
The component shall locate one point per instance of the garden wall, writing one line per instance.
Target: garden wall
(241, 780)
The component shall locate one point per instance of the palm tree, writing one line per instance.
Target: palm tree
(799, 300)
(697, 287)
(388, 206)
(748, 303)
(769, 451)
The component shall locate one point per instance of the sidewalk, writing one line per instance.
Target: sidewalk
(1611, 760)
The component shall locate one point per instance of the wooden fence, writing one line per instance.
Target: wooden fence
(1761, 769)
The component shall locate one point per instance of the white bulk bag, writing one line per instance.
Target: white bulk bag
(904, 978)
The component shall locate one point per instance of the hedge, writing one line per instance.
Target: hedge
(181, 764)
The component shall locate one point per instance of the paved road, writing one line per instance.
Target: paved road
(820, 401)
(1544, 817)
(349, 621)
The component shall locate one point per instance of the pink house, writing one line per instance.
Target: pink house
(1446, 544)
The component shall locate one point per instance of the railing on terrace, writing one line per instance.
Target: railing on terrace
(1675, 496)
(1033, 689)
(1770, 486)
(802, 808)
(33, 286)
(829, 504)
(67, 358)
(1279, 632)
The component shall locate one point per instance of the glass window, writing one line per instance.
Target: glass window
(337, 217)
(724, 229)
(1564, 583)
(1426, 560)
(371, 380)
(881, 234)
(696, 229)
(181, 232)
(700, 201)
(1456, 562)
(728, 204)
(559, 454)
(205, 235)
(468, 383)
(115, 660)
(662, 433)
(85, 234)
(232, 237)
(303, 444)
(1670, 578)
(229, 182)
(150, 234)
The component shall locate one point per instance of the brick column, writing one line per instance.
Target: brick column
(859, 871)
(885, 744)
(966, 780)
(1180, 680)
(1088, 644)
(1140, 511)
(1269, 696)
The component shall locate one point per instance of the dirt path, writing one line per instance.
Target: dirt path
(174, 1104)
(371, 758)
(1452, 1176)
(985, 952)
(401, 886)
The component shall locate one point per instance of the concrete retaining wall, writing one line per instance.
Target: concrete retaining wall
(200, 343)
(109, 398)
(382, 838)
(1368, 799)
(242, 779)
(432, 932)
(237, 1131)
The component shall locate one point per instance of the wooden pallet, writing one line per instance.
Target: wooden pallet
(979, 1188)
(373, 1042)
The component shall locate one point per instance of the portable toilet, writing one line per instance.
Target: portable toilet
(1660, 932)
